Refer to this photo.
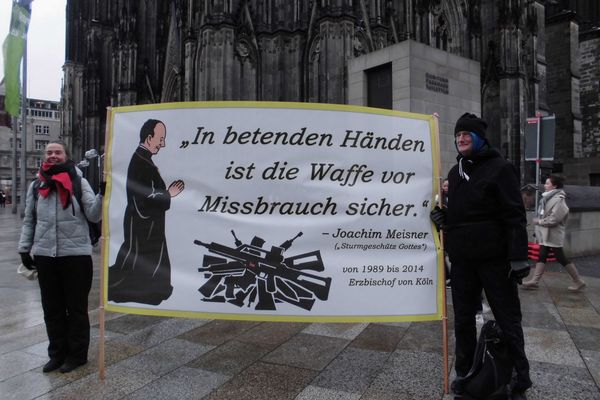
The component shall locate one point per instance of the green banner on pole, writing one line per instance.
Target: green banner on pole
(13, 52)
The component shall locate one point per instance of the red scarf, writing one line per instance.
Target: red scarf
(60, 180)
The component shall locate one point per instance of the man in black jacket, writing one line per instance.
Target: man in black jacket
(485, 236)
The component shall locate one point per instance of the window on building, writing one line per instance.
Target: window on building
(38, 162)
(42, 129)
(42, 113)
(12, 143)
(41, 144)
(379, 86)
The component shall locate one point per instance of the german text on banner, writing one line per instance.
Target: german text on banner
(271, 211)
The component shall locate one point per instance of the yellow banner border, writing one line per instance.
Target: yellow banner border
(434, 137)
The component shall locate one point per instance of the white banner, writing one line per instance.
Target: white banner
(271, 211)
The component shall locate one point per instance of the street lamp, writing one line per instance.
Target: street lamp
(90, 155)
(93, 153)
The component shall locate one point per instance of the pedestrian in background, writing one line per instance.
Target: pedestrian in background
(55, 239)
(550, 223)
(486, 239)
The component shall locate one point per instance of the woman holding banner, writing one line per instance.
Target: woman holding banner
(486, 240)
(55, 232)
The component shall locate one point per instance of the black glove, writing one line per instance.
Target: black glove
(519, 270)
(438, 216)
(27, 260)
(102, 188)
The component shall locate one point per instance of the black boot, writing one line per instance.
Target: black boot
(69, 366)
(52, 365)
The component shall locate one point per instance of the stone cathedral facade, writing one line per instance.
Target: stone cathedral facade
(124, 52)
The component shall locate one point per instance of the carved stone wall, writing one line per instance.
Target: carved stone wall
(149, 51)
(589, 52)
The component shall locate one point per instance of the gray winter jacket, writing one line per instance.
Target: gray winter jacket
(58, 232)
(553, 213)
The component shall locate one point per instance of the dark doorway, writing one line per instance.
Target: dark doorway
(379, 86)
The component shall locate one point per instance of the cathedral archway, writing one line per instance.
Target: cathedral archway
(456, 21)
(245, 70)
(313, 84)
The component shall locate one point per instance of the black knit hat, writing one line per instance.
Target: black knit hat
(471, 123)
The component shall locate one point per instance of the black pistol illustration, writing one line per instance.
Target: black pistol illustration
(250, 275)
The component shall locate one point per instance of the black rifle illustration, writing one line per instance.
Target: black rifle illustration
(250, 274)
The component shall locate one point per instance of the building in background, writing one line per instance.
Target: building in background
(43, 125)
(533, 57)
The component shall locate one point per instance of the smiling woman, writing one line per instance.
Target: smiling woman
(55, 241)
(55, 153)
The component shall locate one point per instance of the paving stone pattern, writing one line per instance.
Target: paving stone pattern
(169, 358)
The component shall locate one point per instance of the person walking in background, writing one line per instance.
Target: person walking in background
(550, 223)
(486, 239)
(55, 240)
(2, 199)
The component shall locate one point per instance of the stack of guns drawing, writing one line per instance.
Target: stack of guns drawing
(252, 276)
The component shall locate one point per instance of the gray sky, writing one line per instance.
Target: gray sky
(45, 46)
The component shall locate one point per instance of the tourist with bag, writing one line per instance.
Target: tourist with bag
(550, 223)
(55, 241)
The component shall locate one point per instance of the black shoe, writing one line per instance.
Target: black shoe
(69, 366)
(521, 385)
(52, 365)
(457, 386)
(518, 396)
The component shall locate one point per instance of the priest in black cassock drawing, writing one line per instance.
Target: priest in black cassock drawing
(142, 271)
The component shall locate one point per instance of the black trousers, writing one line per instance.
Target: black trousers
(468, 279)
(558, 253)
(65, 284)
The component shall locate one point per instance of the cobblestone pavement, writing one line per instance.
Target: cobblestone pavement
(170, 358)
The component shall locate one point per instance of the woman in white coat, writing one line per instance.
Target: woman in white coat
(550, 233)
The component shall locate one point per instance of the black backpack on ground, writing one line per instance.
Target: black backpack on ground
(94, 228)
(491, 373)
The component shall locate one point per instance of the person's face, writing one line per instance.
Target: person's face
(445, 186)
(55, 154)
(156, 142)
(464, 142)
(548, 186)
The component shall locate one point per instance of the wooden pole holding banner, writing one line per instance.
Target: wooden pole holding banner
(101, 315)
(444, 318)
(444, 307)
